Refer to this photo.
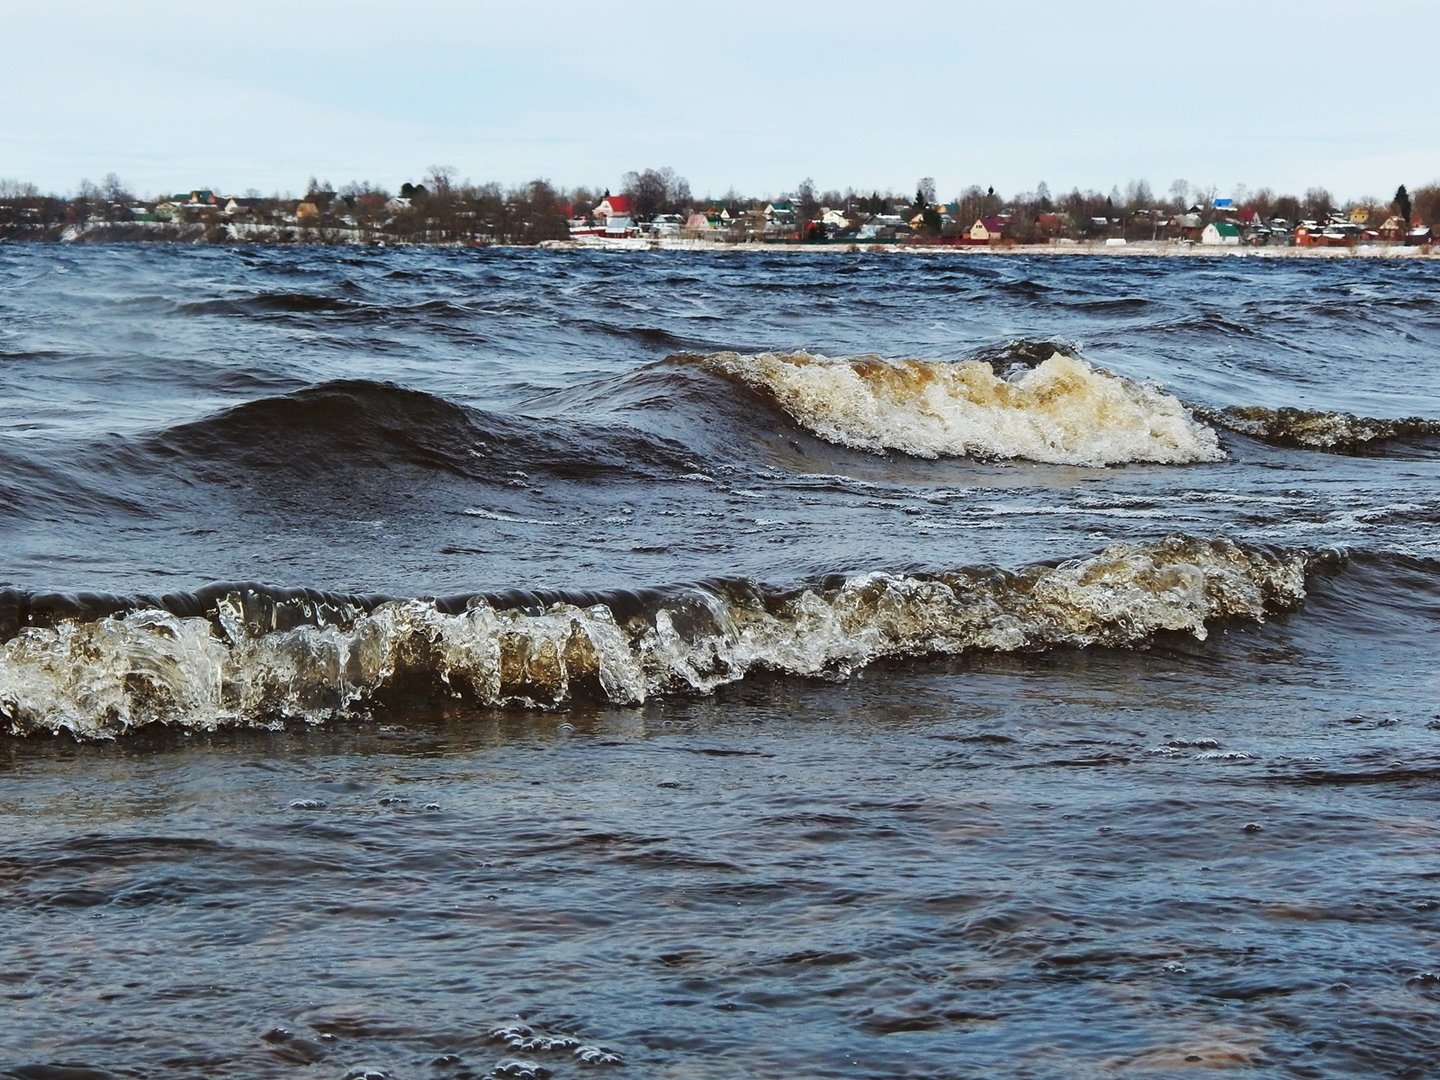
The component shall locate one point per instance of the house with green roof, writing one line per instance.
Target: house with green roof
(1221, 234)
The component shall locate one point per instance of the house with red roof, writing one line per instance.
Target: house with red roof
(613, 206)
(614, 214)
(986, 230)
(1048, 226)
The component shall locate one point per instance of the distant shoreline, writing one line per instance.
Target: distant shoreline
(1144, 249)
(1136, 249)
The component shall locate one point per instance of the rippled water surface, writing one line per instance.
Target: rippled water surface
(453, 664)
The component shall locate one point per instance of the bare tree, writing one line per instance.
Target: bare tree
(972, 205)
(438, 207)
(113, 189)
(439, 180)
(354, 189)
(656, 191)
(1138, 195)
(1287, 207)
(677, 190)
(1317, 203)
(1426, 202)
(646, 191)
(805, 201)
(14, 189)
(541, 215)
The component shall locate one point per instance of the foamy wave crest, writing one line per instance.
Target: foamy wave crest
(1335, 431)
(1061, 411)
(99, 678)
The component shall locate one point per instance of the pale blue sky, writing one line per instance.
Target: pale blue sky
(754, 96)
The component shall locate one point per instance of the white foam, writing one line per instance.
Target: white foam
(1063, 411)
(491, 515)
(1321, 430)
(100, 678)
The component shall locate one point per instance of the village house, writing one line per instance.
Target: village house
(612, 206)
(236, 205)
(698, 226)
(315, 204)
(986, 230)
(779, 220)
(1189, 225)
(192, 205)
(1394, 229)
(1048, 226)
(614, 214)
(1221, 234)
(1330, 234)
(666, 225)
(882, 227)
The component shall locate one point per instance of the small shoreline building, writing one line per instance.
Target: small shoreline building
(613, 214)
(1221, 234)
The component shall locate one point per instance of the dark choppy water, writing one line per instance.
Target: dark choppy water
(706, 665)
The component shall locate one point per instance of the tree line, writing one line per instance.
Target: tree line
(439, 208)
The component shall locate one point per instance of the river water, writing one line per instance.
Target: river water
(715, 664)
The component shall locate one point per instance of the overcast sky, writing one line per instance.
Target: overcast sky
(741, 94)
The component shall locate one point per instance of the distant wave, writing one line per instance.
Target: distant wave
(245, 655)
(270, 303)
(1337, 432)
(1057, 411)
(332, 308)
(1109, 305)
(1205, 323)
(335, 427)
(653, 336)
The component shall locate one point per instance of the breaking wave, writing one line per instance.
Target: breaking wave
(1058, 411)
(1338, 432)
(243, 655)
